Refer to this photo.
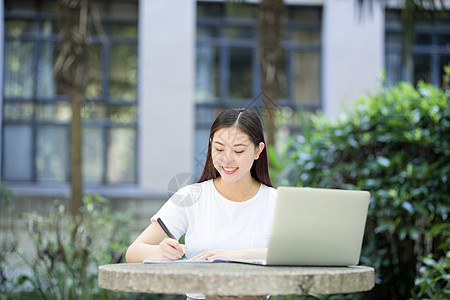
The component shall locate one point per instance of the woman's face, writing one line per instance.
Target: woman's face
(233, 153)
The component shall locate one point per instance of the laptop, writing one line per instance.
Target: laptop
(317, 227)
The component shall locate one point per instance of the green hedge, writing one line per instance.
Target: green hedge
(395, 144)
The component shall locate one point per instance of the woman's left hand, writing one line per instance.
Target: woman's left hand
(218, 254)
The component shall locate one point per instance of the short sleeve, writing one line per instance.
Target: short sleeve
(174, 212)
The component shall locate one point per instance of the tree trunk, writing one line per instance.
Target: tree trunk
(76, 176)
(270, 23)
(70, 69)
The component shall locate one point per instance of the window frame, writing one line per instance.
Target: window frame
(105, 124)
(224, 44)
(431, 28)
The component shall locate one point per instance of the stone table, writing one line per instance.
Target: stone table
(217, 280)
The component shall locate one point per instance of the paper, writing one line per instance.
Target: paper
(182, 261)
(259, 262)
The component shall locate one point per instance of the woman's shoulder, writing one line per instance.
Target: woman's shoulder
(270, 192)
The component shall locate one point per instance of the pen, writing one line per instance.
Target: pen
(167, 231)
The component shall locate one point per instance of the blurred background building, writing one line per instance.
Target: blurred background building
(169, 68)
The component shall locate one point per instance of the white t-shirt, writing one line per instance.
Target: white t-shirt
(210, 221)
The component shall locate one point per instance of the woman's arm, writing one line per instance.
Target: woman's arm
(153, 244)
(251, 253)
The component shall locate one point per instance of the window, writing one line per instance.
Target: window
(36, 112)
(429, 53)
(228, 72)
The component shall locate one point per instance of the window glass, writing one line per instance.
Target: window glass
(49, 28)
(123, 31)
(122, 10)
(394, 39)
(94, 72)
(121, 163)
(236, 9)
(59, 111)
(125, 114)
(123, 72)
(93, 111)
(207, 32)
(283, 84)
(52, 161)
(93, 154)
(17, 150)
(306, 36)
(203, 115)
(22, 7)
(46, 84)
(240, 73)
(18, 111)
(207, 74)
(210, 10)
(422, 69)
(306, 76)
(393, 17)
(444, 40)
(49, 7)
(393, 68)
(19, 27)
(422, 39)
(117, 10)
(238, 32)
(19, 69)
(201, 149)
(304, 15)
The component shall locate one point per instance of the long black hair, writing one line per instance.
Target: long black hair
(249, 123)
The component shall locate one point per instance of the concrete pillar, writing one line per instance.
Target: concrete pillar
(353, 52)
(166, 84)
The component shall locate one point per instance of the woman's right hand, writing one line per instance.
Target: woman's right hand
(171, 249)
(154, 244)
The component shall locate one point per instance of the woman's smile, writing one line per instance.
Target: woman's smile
(229, 170)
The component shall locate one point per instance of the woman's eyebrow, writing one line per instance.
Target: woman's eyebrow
(235, 145)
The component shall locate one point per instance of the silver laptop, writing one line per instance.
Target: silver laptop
(317, 227)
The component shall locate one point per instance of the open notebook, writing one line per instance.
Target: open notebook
(314, 227)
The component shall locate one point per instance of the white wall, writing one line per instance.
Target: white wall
(353, 52)
(166, 83)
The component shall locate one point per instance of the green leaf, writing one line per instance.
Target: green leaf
(383, 161)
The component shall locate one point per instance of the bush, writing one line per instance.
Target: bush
(68, 250)
(434, 276)
(395, 144)
(8, 242)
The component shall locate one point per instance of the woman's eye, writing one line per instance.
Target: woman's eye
(219, 150)
(239, 152)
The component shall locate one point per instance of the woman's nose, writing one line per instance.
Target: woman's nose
(228, 156)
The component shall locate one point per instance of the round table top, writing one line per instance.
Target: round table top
(233, 279)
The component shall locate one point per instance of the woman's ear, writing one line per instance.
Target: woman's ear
(259, 149)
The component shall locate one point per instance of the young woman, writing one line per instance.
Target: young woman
(228, 213)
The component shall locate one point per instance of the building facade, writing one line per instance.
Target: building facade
(169, 68)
